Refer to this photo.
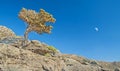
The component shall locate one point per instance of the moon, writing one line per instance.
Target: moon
(96, 29)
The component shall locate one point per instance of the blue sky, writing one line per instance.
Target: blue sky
(74, 31)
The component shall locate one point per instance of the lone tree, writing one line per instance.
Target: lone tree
(36, 21)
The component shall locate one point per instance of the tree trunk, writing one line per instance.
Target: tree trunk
(28, 30)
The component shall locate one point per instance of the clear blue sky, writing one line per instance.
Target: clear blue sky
(74, 31)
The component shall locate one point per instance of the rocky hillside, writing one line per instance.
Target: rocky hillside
(38, 56)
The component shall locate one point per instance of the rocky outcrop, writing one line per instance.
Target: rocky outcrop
(13, 58)
(6, 32)
(38, 56)
(25, 60)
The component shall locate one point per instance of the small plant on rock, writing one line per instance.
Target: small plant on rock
(47, 55)
(52, 48)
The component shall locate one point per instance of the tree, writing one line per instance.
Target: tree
(36, 21)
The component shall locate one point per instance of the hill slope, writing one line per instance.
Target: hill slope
(37, 56)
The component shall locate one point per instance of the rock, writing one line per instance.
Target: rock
(27, 60)
(37, 47)
(37, 43)
(16, 59)
(11, 40)
(6, 32)
(103, 69)
(94, 63)
(117, 69)
(34, 45)
(1, 69)
(37, 56)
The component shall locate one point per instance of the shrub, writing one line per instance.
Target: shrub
(47, 55)
(52, 48)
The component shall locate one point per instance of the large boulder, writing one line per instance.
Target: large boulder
(6, 32)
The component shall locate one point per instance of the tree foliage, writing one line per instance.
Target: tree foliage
(36, 21)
